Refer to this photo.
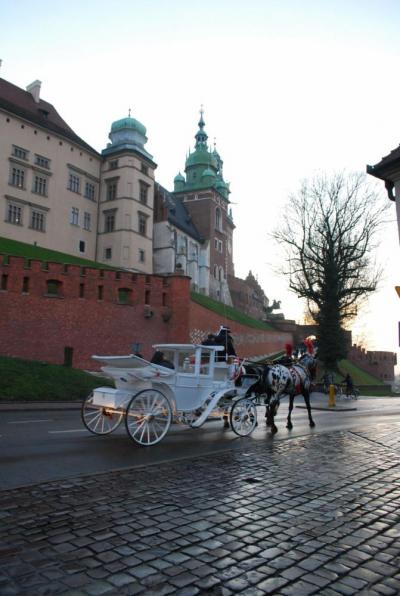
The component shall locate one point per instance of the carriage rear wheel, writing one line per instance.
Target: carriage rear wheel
(100, 420)
(148, 417)
(243, 417)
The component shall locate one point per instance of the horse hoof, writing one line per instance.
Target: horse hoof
(312, 423)
(289, 426)
(274, 430)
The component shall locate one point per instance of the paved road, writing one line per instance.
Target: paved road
(316, 514)
(41, 445)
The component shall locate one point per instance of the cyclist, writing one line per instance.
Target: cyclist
(349, 385)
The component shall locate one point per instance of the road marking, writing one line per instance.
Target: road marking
(30, 421)
(78, 430)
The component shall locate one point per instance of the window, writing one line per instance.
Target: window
(144, 188)
(112, 187)
(109, 222)
(17, 177)
(81, 246)
(25, 285)
(74, 216)
(87, 220)
(40, 186)
(53, 287)
(108, 253)
(90, 191)
(142, 255)
(218, 219)
(20, 153)
(42, 162)
(124, 295)
(218, 245)
(74, 183)
(142, 223)
(100, 292)
(81, 290)
(144, 168)
(38, 220)
(113, 164)
(14, 214)
(4, 282)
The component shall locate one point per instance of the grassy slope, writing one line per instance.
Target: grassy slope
(20, 249)
(228, 312)
(27, 380)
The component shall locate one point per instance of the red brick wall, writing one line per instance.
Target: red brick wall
(248, 341)
(38, 326)
(379, 364)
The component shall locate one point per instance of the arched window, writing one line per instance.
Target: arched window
(221, 274)
(218, 220)
(215, 272)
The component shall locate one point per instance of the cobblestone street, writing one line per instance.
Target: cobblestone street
(318, 514)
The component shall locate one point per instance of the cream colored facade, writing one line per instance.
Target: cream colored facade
(58, 193)
(37, 203)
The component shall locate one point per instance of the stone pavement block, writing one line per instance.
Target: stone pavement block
(317, 524)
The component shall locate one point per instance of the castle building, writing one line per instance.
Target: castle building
(57, 192)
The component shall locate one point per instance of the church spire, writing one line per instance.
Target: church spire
(201, 135)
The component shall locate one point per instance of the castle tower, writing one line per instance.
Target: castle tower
(206, 197)
(125, 233)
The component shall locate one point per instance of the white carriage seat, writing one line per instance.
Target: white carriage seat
(221, 370)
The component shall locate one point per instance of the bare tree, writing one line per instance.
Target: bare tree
(328, 235)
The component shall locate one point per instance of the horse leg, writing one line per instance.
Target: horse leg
(306, 395)
(273, 408)
(289, 424)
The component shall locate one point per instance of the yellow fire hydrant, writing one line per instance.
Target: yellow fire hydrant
(331, 400)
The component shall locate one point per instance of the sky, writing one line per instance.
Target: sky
(290, 88)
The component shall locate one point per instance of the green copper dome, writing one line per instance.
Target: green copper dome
(128, 123)
(179, 178)
(201, 157)
(208, 172)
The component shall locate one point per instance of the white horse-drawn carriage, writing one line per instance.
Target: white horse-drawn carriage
(150, 397)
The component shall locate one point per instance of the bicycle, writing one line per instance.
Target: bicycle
(341, 393)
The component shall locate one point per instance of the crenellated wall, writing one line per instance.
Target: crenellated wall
(85, 311)
(377, 363)
(46, 308)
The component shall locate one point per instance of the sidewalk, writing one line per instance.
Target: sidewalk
(311, 515)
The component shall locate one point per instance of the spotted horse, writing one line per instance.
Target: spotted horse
(292, 380)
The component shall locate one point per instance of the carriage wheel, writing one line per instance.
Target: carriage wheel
(100, 420)
(243, 417)
(148, 417)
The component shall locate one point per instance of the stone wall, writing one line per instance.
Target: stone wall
(249, 342)
(47, 309)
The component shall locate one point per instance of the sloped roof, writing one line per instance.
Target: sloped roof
(387, 166)
(178, 215)
(16, 101)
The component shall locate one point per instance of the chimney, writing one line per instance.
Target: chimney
(34, 90)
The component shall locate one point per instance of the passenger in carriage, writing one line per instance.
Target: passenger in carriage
(158, 358)
(209, 341)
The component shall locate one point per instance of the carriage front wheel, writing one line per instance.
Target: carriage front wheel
(243, 417)
(100, 420)
(148, 417)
